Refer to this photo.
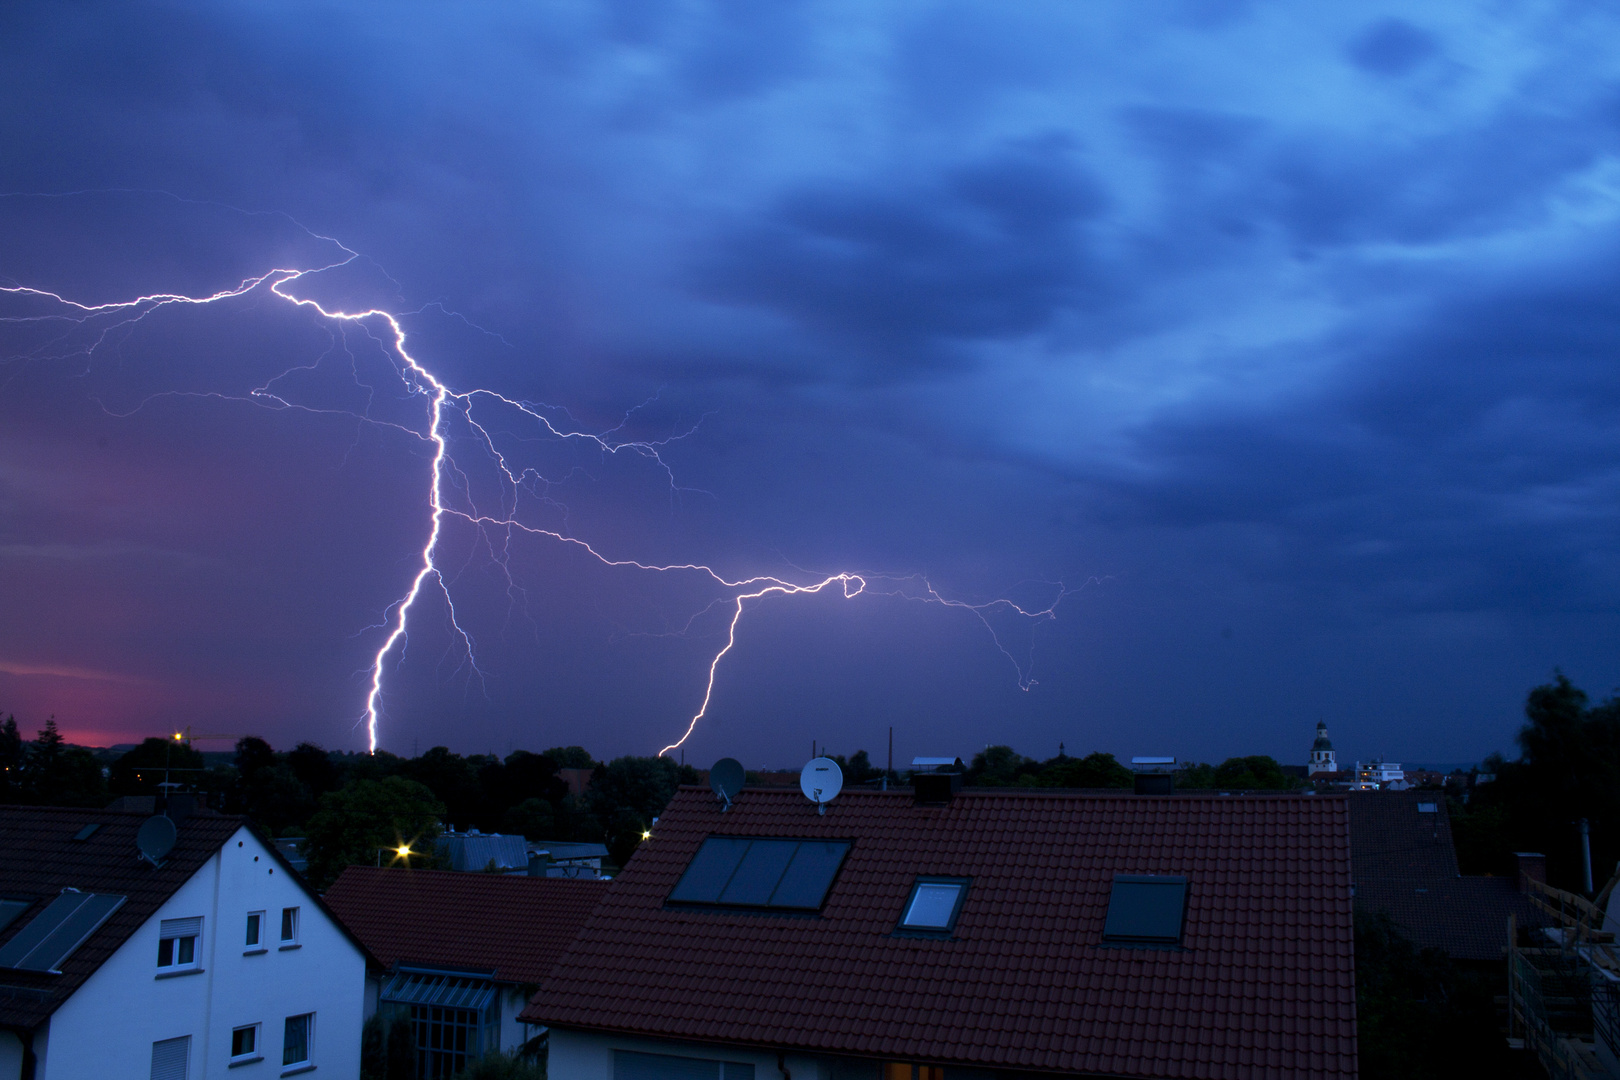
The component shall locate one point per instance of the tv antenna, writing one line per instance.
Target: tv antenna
(821, 781)
(156, 839)
(726, 779)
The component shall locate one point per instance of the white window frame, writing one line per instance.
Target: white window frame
(175, 930)
(308, 1062)
(290, 942)
(255, 946)
(257, 1053)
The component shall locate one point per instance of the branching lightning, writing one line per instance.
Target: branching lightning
(450, 494)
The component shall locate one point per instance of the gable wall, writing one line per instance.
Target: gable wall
(107, 1028)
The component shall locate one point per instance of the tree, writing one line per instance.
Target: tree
(571, 757)
(354, 822)
(314, 769)
(277, 800)
(1095, 770)
(1568, 769)
(628, 793)
(533, 819)
(1254, 773)
(141, 770)
(453, 780)
(11, 760)
(998, 766)
(253, 754)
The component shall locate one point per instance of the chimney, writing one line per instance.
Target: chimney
(935, 788)
(1532, 866)
(1154, 775)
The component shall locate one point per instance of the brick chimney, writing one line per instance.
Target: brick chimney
(1532, 866)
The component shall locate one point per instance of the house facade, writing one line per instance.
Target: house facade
(457, 955)
(976, 934)
(213, 958)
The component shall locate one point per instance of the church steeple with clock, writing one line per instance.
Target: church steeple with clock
(1322, 756)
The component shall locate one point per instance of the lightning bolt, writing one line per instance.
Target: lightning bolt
(450, 493)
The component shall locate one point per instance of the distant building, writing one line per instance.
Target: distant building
(211, 957)
(1406, 867)
(550, 858)
(1322, 756)
(457, 955)
(477, 852)
(1379, 773)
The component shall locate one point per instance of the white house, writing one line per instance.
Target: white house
(210, 959)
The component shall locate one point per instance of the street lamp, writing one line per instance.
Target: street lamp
(402, 852)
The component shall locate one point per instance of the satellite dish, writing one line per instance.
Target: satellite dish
(156, 838)
(821, 781)
(726, 778)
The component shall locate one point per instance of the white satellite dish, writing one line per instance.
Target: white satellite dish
(726, 779)
(156, 838)
(821, 781)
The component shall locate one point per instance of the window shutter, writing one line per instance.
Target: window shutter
(171, 1058)
(182, 927)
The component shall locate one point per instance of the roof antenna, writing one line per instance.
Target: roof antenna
(821, 780)
(726, 780)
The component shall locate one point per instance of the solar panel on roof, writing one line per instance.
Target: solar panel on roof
(735, 871)
(1146, 909)
(54, 933)
(756, 877)
(808, 877)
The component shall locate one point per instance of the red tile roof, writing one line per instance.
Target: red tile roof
(516, 927)
(1264, 987)
(39, 858)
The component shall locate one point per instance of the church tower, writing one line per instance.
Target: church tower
(1322, 757)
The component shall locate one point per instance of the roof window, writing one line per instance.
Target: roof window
(88, 831)
(1427, 808)
(52, 935)
(933, 906)
(750, 872)
(1146, 909)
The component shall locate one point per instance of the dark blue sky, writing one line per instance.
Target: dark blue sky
(1285, 338)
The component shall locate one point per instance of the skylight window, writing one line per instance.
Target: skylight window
(1146, 910)
(1427, 808)
(750, 872)
(933, 906)
(54, 933)
(88, 831)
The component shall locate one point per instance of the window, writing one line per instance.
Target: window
(296, 1038)
(899, 1070)
(631, 1065)
(1146, 909)
(1426, 808)
(88, 831)
(446, 1039)
(255, 931)
(289, 926)
(178, 943)
(741, 871)
(171, 1059)
(245, 1043)
(933, 906)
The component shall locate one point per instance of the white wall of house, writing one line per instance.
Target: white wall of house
(107, 1028)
